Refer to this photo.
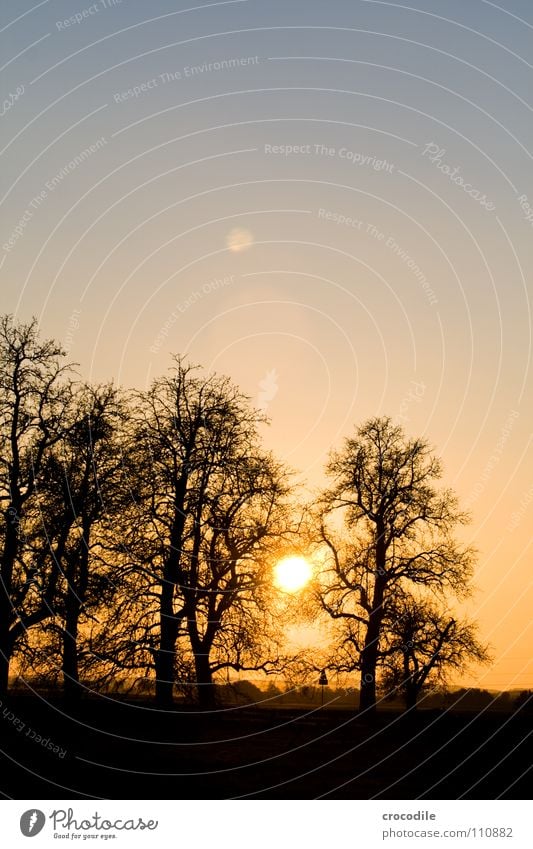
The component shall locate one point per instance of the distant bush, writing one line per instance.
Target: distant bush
(524, 702)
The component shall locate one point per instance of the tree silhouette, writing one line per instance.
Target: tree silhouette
(83, 485)
(208, 504)
(138, 534)
(227, 589)
(34, 399)
(398, 532)
(423, 644)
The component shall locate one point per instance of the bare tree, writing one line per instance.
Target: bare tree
(208, 504)
(397, 532)
(34, 398)
(228, 578)
(423, 645)
(83, 485)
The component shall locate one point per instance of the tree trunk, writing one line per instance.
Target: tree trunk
(78, 580)
(6, 580)
(204, 679)
(5, 641)
(71, 679)
(4, 665)
(411, 696)
(164, 663)
(369, 659)
(201, 648)
(410, 688)
(168, 622)
(369, 654)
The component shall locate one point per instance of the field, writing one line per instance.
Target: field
(119, 751)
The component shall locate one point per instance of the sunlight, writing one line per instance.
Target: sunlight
(292, 573)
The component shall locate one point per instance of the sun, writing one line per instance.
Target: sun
(292, 574)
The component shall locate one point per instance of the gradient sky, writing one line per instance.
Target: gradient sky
(324, 322)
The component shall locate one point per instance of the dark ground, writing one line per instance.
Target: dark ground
(121, 751)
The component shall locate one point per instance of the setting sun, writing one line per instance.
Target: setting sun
(292, 573)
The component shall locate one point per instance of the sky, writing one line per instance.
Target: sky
(330, 202)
